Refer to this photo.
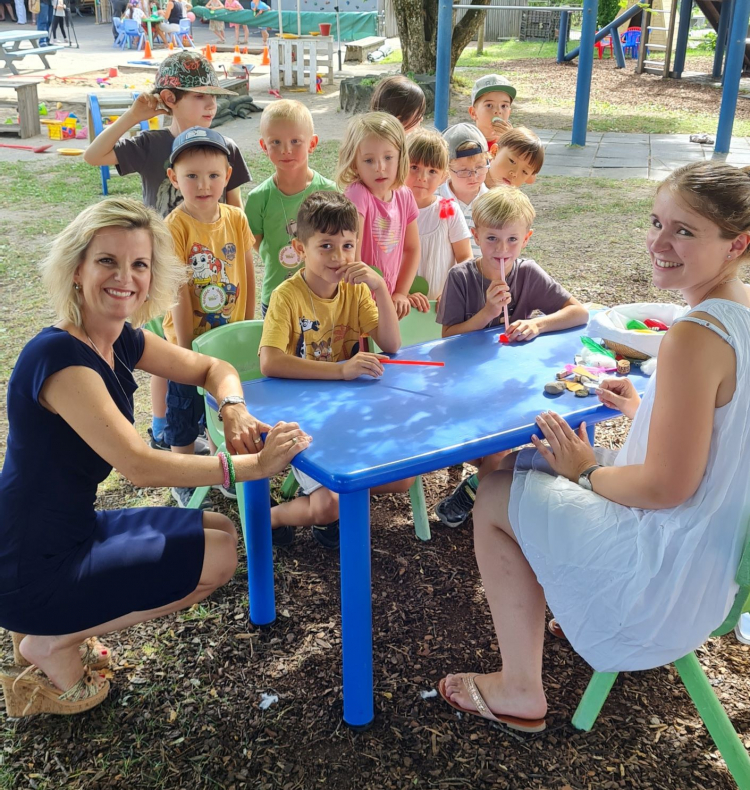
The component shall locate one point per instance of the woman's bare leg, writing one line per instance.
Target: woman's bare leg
(517, 604)
(58, 656)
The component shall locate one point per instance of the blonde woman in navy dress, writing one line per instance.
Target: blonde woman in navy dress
(634, 551)
(68, 571)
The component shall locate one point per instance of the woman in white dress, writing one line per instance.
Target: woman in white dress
(635, 552)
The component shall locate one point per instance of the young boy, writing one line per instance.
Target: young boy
(443, 234)
(476, 292)
(287, 138)
(215, 242)
(491, 102)
(468, 163)
(517, 157)
(313, 323)
(185, 88)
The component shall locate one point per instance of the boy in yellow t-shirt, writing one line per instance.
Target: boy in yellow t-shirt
(215, 242)
(314, 322)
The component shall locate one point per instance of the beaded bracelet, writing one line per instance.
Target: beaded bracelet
(225, 468)
(230, 465)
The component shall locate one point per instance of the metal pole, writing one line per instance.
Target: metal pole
(443, 66)
(732, 74)
(299, 18)
(562, 36)
(338, 35)
(617, 48)
(585, 66)
(686, 8)
(721, 38)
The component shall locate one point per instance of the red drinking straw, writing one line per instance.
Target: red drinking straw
(412, 362)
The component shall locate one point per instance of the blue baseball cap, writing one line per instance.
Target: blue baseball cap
(197, 135)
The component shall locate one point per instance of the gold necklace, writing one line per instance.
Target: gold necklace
(112, 366)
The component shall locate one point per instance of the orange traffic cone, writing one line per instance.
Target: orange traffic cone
(236, 60)
(213, 47)
(245, 51)
(147, 51)
(208, 53)
(236, 49)
(266, 61)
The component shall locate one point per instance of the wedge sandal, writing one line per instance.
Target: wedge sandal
(28, 692)
(94, 654)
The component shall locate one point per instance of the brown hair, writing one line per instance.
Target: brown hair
(523, 142)
(716, 191)
(428, 147)
(330, 213)
(400, 97)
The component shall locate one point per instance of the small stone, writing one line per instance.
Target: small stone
(623, 367)
(555, 388)
(582, 393)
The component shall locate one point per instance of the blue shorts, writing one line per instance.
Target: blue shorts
(185, 414)
(263, 310)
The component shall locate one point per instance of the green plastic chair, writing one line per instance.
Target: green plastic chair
(155, 326)
(238, 344)
(416, 328)
(698, 687)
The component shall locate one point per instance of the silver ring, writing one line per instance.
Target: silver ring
(294, 440)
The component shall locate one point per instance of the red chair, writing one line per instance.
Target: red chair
(600, 46)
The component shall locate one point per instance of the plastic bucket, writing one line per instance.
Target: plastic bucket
(325, 29)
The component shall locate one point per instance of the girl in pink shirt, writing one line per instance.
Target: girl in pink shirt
(235, 5)
(372, 170)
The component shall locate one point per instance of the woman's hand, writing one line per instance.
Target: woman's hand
(619, 394)
(419, 302)
(241, 430)
(569, 453)
(283, 442)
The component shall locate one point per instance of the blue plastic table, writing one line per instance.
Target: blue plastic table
(413, 420)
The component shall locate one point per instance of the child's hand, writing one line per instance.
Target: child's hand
(522, 330)
(363, 364)
(500, 126)
(498, 295)
(359, 272)
(401, 303)
(147, 106)
(420, 302)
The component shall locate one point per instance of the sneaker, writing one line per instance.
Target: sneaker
(455, 509)
(282, 536)
(183, 496)
(201, 444)
(327, 535)
(229, 493)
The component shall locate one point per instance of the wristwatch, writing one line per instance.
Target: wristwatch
(585, 479)
(231, 400)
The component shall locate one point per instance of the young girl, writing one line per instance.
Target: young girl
(235, 5)
(443, 233)
(372, 170)
(402, 98)
(215, 25)
(58, 20)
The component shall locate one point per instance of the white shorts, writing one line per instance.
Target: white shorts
(306, 484)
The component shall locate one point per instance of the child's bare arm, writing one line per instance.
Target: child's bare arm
(462, 250)
(497, 296)
(101, 151)
(258, 240)
(358, 251)
(408, 270)
(250, 277)
(571, 314)
(386, 334)
(234, 198)
(182, 315)
(276, 363)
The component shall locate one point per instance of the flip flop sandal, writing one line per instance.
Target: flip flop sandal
(556, 630)
(27, 692)
(94, 654)
(484, 712)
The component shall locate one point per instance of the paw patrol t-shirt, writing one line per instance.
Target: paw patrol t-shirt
(325, 330)
(215, 256)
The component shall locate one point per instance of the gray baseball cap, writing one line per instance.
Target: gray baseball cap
(490, 83)
(464, 133)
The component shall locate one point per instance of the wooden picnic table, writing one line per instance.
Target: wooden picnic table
(11, 50)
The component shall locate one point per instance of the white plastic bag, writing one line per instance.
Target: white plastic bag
(610, 325)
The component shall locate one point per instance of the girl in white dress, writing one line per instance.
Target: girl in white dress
(635, 552)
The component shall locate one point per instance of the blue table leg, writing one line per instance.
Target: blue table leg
(590, 432)
(259, 552)
(356, 608)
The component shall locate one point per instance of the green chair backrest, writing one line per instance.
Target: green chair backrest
(418, 327)
(236, 344)
(742, 599)
(155, 326)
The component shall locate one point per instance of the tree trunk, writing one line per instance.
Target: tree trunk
(417, 29)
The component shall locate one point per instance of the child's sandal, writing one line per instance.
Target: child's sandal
(27, 692)
(94, 654)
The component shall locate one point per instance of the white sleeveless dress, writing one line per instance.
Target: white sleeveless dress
(635, 589)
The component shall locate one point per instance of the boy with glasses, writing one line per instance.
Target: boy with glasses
(468, 163)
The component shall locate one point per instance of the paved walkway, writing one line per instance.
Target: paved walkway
(620, 155)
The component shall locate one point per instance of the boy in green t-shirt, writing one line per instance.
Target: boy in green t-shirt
(288, 138)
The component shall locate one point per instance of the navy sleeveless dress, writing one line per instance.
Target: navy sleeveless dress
(64, 566)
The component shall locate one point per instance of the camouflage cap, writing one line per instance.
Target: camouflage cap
(189, 71)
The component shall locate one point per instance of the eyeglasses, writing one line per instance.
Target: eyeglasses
(477, 171)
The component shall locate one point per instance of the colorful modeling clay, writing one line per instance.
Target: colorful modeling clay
(634, 323)
(652, 323)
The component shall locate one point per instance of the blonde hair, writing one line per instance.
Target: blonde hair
(523, 142)
(717, 191)
(428, 147)
(69, 247)
(287, 110)
(376, 124)
(501, 205)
